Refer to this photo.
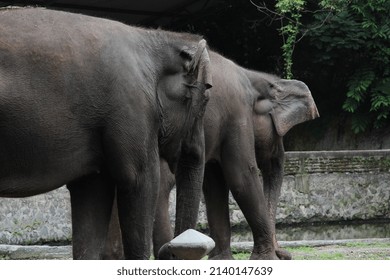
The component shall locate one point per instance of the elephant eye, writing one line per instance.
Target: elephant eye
(260, 97)
(189, 79)
(185, 55)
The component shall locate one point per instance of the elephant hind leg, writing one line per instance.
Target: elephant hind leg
(216, 196)
(240, 172)
(91, 203)
(113, 249)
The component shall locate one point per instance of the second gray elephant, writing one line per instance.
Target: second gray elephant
(247, 116)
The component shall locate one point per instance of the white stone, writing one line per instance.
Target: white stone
(191, 245)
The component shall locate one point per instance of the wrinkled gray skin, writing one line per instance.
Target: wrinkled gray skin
(95, 104)
(245, 121)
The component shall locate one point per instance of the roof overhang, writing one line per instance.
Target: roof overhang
(140, 12)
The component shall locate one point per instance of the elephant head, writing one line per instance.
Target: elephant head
(289, 102)
(185, 83)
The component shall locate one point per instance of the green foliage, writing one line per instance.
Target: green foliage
(333, 5)
(355, 36)
(289, 6)
(352, 38)
(242, 256)
(290, 11)
(301, 249)
(4, 257)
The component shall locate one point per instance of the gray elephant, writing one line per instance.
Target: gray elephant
(95, 104)
(245, 121)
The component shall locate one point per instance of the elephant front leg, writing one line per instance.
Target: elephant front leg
(272, 187)
(91, 203)
(272, 168)
(241, 174)
(216, 195)
(133, 162)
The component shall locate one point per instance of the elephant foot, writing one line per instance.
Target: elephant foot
(264, 256)
(283, 254)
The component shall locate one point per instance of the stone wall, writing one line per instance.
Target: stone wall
(318, 187)
(37, 219)
(334, 186)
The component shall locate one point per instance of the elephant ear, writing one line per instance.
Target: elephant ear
(198, 64)
(289, 103)
(294, 104)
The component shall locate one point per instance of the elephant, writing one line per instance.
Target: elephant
(246, 118)
(245, 121)
(94, 104)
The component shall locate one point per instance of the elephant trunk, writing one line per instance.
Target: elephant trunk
(189, 181)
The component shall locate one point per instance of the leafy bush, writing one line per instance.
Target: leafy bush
(292, 11)
(356, 35)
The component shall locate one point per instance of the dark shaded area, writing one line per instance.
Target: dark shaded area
(144, 13)
(238, 31)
